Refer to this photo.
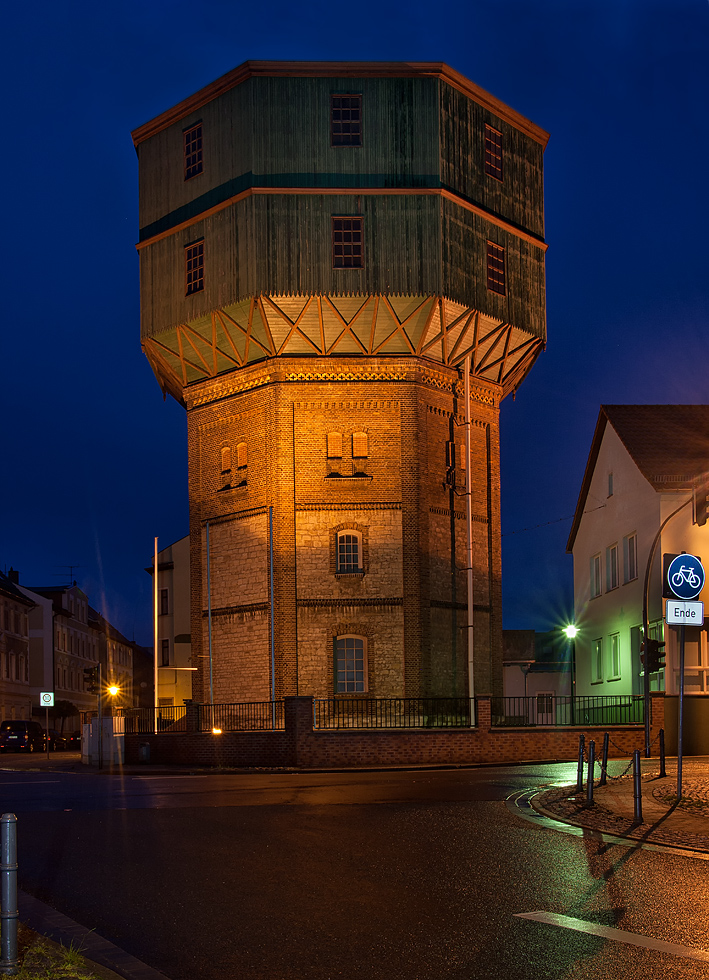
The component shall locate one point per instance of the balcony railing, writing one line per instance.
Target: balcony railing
(557, 710)
(338, 713)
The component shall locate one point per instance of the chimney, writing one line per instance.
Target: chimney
(13, 576)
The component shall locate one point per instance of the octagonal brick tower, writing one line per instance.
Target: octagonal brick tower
(321, 246)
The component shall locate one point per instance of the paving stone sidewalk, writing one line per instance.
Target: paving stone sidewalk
(683, 824)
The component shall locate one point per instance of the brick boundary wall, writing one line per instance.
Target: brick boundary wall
(299, 746)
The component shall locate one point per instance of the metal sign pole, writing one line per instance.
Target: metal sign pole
(680, 712)
(46, 730)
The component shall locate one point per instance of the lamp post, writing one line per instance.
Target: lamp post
(571, 631)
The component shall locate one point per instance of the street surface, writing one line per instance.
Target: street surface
(416, 875)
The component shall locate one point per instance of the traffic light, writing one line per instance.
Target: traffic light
(91, 680)
(655, 655)
(700, 504)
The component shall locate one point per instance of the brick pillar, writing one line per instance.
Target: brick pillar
(657, 718)
(298, 713)
(484, 712)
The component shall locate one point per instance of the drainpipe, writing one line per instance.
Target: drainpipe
(469, 529)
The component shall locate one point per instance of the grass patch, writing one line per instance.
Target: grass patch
(42, 959)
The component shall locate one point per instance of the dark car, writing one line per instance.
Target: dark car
(57, 741)
(73, 741)
(21, 736)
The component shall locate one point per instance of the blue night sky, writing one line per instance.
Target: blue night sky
(94, 464)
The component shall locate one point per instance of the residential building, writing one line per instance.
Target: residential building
(175, 666)
(116, 659)
(342, 276)
(643, 464)
(15, 691)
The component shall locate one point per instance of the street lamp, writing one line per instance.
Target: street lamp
(571, 632)
(113, 690)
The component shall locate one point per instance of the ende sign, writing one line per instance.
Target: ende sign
(679, 613)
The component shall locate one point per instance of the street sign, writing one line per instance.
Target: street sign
(680, 613)
(685, 577)
(46, 699)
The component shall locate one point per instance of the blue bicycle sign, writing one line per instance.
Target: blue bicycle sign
(686, 576)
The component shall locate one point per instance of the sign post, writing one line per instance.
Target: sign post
(46, 698)
(685, 578)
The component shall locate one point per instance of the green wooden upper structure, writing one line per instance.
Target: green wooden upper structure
(438, 175)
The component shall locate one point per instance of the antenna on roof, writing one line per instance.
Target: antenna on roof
(71, 572)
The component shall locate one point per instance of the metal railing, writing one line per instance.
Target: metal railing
(557, 710)
(337, 713)
(239, 717)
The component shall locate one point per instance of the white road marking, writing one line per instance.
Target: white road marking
(606, 932)
(24, 782)
(171, 777)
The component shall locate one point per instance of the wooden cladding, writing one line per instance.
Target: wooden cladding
(346, 120)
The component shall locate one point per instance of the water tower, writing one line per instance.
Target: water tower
(331, 256)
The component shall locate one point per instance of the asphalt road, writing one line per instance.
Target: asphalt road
(373, 875)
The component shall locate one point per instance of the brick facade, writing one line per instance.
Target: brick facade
(404, 501)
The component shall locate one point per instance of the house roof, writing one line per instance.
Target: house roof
(9, 589)
(669, 444)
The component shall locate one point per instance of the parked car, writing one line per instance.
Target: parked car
(57, 741)
(21, 736)
(73, 740)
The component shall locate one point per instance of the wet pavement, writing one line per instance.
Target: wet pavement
(665, 821)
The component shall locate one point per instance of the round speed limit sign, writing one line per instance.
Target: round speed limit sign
(46, 699)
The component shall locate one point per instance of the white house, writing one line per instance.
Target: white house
(644, 462)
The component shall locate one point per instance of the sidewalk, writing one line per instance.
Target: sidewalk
(666, 822)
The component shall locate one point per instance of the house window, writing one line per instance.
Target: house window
(226, 459)
(350, 665)
(241, 455)
(194, 268)
(493, 152)
(360, 445)
(165, 653)
(612, 567)
(193, 150)
(496, 268)
(615, 657)
(595, 576)
(346, 120)
(610, 484)
(334, 445)
(347, 234)
(349, 552)
(596, 661)
(630, 558)
(164, 602)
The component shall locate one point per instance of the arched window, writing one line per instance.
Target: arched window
(334, 445)
(349, 552)
(350, 664)
(360, 445)
(226, 459)
(241, 455)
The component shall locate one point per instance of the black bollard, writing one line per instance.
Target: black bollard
(579, 771)
(591, 768)
(604, 760)
(9, 915)
(662, 753)
(637, 793)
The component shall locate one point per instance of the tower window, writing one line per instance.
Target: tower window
(194, 268)
(334, 445)
(493, 152)
(193, 150)
(241, 455)
(360, 445)
(349, 552)
(346, 120)
(350, 665)
(347, 243)
(495, 268)
(226, 459)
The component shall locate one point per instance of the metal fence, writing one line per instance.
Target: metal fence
(556, 710)
(329, 713)
(260, 716)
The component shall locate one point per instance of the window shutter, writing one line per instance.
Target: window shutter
(359, 445)
(241, 455)
(226, 459)
(626, 560)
